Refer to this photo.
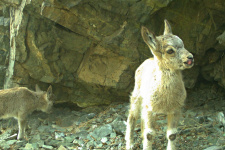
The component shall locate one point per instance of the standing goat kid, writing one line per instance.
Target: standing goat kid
(159, 87)
(19, 102)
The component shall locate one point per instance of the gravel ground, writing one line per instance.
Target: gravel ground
(201, 126)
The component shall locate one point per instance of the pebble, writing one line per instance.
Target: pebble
(106, 130)
(113, 135)
(104, 139)
(47, 147)
(61, 148)
(214, 148)
(102, 131)
(29, 146)
(119, 126)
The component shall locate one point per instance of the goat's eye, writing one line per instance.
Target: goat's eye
(170, 51)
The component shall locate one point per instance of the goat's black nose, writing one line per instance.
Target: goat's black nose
(190, 57)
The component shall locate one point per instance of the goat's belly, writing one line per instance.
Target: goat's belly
(6, 116)
(166, 105)
(162, 106)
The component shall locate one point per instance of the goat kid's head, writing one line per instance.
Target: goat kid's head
(168, 48)
(46, 99)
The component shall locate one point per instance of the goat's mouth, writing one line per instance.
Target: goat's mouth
(189, 63)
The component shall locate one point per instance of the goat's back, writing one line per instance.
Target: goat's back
(17, 100)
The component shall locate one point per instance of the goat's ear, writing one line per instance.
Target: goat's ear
(49, 92)
(150, 40)
(167, 29)
(37, 89)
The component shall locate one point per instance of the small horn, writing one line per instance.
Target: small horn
(167, 29)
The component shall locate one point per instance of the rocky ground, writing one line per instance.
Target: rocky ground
(69, 127)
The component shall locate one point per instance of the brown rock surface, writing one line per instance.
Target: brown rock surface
(89, 50)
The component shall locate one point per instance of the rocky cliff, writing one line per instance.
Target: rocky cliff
(88, 50)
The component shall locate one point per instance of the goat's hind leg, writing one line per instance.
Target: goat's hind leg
(131, 121)
(173, 120)
(148, 119)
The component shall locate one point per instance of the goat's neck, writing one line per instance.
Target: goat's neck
(164, 71)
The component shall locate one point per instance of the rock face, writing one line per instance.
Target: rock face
(89, 50)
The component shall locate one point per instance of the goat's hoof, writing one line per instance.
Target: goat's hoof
(130, 148)
(172, 137)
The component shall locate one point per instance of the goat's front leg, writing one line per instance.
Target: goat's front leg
(173, 120)
(22, 126)
(131, 121)
(147, 127)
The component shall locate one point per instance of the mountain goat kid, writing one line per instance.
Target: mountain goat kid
(19, 102)
(159, 88)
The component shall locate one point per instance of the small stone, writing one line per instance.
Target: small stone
(190, 113)
(214, 148)
(109, 120)
(221, 118)
(81, 134)
(61, 148)
(90, 144)
(99, 120)
(69, 139)
(35, 145)
(119, 126)
(102, 131)
(59, 136)
(104, 140)
(85, 118)
(67, 144)
(36, 137)
(91, 115)
(54, 143)
(100, 145)
(79, 142)
(29, 146)
(47, 146)
(20, 143)
(45, 122)
(94, 126)
(119, 106)
(10, 142)
(112, 110)
(59, 128)
(113, 135)
(69, 129)
(202, 119)
(40, 143)
(44, 128)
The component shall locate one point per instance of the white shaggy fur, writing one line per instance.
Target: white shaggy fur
(159, 87)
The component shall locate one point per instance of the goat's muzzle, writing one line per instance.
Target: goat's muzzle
(190, 62)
